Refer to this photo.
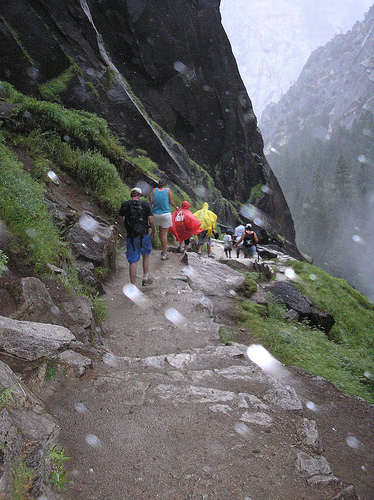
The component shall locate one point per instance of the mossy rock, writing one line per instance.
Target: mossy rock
(250, 287)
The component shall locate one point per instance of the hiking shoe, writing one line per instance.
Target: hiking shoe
(211, 256)
(147, 281)
(164, 256)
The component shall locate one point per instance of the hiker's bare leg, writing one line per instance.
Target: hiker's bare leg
(132, 272)
(145, 264)
(163, 232)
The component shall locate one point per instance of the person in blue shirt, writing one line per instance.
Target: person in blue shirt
(160, 200)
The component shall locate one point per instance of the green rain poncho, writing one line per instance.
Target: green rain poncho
(207, 218)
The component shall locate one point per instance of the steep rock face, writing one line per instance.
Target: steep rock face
(319, 141)
(334, 88)
(165, 79)
(272, 39)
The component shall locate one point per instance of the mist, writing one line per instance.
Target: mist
(272, 39)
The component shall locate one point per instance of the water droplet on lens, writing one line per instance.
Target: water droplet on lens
(88, 223)
(357, 239)
(352, 442)
(181, 68)
(30, 231)
(242, 429)
(53, 177)
(311, 406)
(261, 357)
(134, 294)
(80, 408)
(32, 72)
(174, 316)
(92, 440)
(290, 273)
(363, 159)
(55, 310)
(200, 191)
(109, 359)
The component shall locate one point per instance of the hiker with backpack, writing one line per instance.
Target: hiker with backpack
(250, 240)
(160, 200)
(137, 220)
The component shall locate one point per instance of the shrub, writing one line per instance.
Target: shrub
(23, 210)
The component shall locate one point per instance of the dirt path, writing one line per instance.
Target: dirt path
(168, 412)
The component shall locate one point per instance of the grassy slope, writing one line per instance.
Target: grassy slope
(348, 358)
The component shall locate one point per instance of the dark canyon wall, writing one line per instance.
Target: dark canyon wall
(162, 74)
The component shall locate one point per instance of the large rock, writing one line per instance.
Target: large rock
(212, 277)
(21, 395)
(38, 305)
(35, 427)
(26, 432)
(92, 240)
(31, 341)
(294, 300)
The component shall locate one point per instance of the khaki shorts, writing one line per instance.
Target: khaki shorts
(163, 220)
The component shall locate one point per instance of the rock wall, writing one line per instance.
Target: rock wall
(162, 74)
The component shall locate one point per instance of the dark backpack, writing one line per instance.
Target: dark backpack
(248, 243)
(136, 219)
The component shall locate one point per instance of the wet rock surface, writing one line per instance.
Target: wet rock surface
(168, 411)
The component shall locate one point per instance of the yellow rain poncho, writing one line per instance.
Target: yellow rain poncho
(207, 218)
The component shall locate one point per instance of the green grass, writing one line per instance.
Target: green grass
(6, 397)
(23, 209)
(22, 480)
(99, 309)
(50, 90)
(225, 336)
(348, 360)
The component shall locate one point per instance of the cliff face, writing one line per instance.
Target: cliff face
(164, 77)
(272, 39)
(335, 87)
(319, 141)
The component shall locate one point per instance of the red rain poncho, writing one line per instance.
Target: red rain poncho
(185, 224)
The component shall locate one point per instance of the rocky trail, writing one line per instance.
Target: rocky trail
(170, 412)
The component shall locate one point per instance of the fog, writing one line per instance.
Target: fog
(272, 39)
